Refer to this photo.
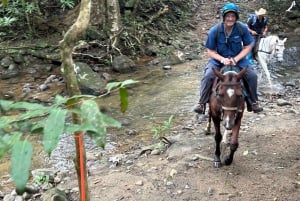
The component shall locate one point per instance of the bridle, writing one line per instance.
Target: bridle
(272, 51)
(237, 108)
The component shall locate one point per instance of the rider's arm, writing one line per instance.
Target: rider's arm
(251, 31)
(265, 30)
(242, 54)
(215, 55)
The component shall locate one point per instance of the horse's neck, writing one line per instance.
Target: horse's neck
(268, 44)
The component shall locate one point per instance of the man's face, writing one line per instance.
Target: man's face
(230, 19)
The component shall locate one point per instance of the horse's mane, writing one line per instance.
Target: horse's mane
(272, 39)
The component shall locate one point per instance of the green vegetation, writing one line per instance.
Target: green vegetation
(51, 122)
(162, 130)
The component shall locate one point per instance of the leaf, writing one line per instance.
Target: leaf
(38, 126)
(5, 104)
(127, 82)
(77, 98)
(34, 113)
(59, 100)
(298, 182)
(112, 85)
(21, 162)
(28, 106)
(92, 116)
(108, 121)
(7, 141)
(95, 122)
(99, 138)
(5, 121)
(124, 99)
(54, 127)
(245, 153)
(76, 128)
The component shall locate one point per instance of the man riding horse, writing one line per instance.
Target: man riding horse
(229, 49)
(258, 26)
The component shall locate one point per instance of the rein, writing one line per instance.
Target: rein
(264, 51)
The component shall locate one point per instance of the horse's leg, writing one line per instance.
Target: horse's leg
(234, 143)
(262, 59)
(208, 125)
(218, 138)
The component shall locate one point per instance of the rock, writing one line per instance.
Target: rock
(282, 102)
(88, 80)
(54, 194)
(123, 64)
(43, 87)
(155, 152)
(139, 183)
(10, 74)
(6, 62)
(167, 67)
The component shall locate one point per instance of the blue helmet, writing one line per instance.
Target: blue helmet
(230, 7)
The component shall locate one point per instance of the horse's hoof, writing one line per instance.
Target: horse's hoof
(207, 132)
(228, 160)
(217, 164)
(217, 161)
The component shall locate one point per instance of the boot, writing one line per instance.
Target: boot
(249, 104)
(256, 108)
(200, 108)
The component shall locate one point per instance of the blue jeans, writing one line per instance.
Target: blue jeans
(250, 79)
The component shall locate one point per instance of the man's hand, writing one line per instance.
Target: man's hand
(253, 32)
(228, 61)
(233, 61)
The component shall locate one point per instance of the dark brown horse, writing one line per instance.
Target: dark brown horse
(226, 104)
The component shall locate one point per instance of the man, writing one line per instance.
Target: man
(229, 48)
(257, 26)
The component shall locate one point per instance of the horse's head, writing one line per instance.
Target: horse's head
(230, 96)
(279, 49)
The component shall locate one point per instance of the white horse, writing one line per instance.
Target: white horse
(269, 48)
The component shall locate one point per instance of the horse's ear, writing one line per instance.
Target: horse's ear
(284, 40)
(241, 74)
(218, 74)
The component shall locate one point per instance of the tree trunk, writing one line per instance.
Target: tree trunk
(113, 23)
(67, 44)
